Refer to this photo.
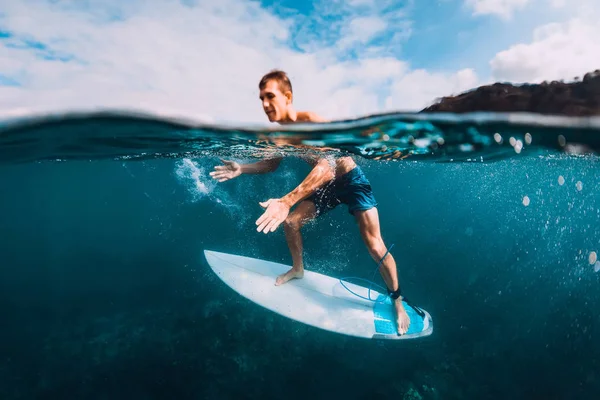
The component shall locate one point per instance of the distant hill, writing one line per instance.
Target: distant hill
(578, 98)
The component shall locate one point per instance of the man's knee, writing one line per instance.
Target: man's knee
(293, 222)
(300, 216)
(375, 245)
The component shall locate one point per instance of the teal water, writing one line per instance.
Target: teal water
(104, 292)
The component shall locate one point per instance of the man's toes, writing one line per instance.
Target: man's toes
(281, 279)
(403, 327)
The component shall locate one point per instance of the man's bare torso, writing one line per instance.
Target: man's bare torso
(343, 165)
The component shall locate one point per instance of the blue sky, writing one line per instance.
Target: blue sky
(444, 34)
(202, 59)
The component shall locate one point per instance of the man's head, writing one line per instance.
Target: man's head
(276, 95)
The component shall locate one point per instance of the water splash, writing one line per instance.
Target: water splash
(477, 137)
(201, 186)
(188, 170)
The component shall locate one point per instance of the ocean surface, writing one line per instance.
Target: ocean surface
(105, 293)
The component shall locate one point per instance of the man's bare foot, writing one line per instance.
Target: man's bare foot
(402, 319)
(294, 273)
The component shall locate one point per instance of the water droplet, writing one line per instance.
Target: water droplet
(579, 185)
(526, 201)
(561, 180)
(497, 137)
(528, 138)
(597, 266)
(512, 141)
(593, 258)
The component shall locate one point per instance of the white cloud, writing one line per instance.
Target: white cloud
(362, 30)
(419, 88)
(350, 25)
(200, 61)
(501, 8)
(558, 3)
(557, 51)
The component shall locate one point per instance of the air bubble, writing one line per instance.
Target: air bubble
(518, 146)
(597, 266)
(561, 140)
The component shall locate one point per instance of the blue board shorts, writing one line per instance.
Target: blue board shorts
(353, 189)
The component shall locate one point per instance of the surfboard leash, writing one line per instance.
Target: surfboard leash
(391, 294)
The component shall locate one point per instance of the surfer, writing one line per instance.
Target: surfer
(329, 183)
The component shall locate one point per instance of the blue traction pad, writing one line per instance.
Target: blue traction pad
(385, 322)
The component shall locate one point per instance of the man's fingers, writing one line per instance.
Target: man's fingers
(263, 225)
(267, 224)
(262, 218)
(272, 226)
(220, 176)
(268, 221)
(276, 226)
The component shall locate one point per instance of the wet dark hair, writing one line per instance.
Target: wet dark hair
(282, 80)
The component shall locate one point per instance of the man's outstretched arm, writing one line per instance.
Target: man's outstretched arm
(261, 167)
(231, 169)
(277, 210)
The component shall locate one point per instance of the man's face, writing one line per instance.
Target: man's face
(274, 102)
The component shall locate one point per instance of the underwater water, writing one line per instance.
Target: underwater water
(105, 292)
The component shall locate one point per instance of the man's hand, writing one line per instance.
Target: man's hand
(230, 170)
(277, 211)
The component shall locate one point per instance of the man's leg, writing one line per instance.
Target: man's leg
(368, 222)
(304, 212)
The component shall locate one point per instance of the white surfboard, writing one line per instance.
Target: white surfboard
(317, 300)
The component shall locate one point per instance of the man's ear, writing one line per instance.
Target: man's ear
(289, 96)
